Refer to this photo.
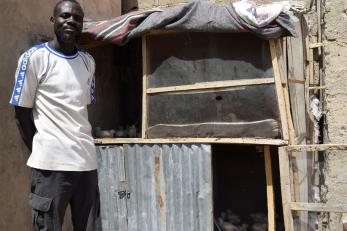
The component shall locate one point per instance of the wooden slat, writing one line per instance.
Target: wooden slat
(144, 85)
(317, 88)
(285, 188)
(284, 79)
(296, 81)
(317, 207)
(279, 90)
(191, 140)
(211, 85)
(269, 189)
(316, 147)
(316, 45)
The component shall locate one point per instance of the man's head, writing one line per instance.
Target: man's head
(68, 21)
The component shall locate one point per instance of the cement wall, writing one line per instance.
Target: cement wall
(335, 52)
(22, 23)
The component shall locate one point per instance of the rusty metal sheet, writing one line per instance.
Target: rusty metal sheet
(165, 187)
(111, 176)
(170, 187)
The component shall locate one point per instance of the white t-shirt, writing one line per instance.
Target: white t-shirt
(58, 88)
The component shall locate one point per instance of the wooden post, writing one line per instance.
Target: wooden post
(285, 188)
(279, 90)
(269, 190)
(144, 85)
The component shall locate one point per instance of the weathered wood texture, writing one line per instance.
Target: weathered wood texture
(167, 187)
(296, 76)
(285, 188)
(279, 89)
(277, 142)
(262, 129)
(269, 189)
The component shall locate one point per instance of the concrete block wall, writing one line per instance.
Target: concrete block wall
(335, 63)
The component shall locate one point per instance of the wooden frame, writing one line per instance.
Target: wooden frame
(287, 184)
(277, 142)
(280, 90)
(144, 85)
(211, 85)
(269, 190)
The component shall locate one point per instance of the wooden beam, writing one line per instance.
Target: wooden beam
(269, 190)
(317, 207)
(316, 147)
(211, 85)
(317, 88)
(285, 188)
(296, 81)
(279, 90)
(144, 85)
(316, 45)
(276, 142)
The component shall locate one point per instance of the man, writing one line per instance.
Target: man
(54, 84)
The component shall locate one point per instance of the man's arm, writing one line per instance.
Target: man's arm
(25, 125)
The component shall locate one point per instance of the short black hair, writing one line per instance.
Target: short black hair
(55, 9)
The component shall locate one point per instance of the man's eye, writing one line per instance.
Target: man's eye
(65, 15)
(78, 18)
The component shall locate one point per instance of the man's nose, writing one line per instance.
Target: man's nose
(72, 20)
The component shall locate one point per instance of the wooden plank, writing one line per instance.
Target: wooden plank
(279, 90)
(285, 188)
(291, 131)
(316, 45)
(269, 189)
(144, 85)
(192, 140)
(284, 79)
(317, 207)
(317, 88)
(316, 147)
(211, 85)
(296, 81)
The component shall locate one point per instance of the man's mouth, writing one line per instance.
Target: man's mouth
(70, 30)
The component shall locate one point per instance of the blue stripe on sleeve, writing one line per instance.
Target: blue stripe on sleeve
(93, 92)
(21, 75)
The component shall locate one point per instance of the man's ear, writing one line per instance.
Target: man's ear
(52, 19)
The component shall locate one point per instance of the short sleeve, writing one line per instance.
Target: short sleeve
(26, 82)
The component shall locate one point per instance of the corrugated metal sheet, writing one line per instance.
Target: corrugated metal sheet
(169, 187)
(112, 181)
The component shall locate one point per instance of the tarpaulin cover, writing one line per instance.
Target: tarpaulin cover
(197, 16)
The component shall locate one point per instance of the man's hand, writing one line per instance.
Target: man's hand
(26, 126)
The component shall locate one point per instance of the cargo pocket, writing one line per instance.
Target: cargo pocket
(41, 212)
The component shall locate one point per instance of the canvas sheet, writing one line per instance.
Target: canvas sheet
(197, 16)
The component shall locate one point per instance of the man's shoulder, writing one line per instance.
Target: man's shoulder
(34, 52)
(88, 59)
(85, 54)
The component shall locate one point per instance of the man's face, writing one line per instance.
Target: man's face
(68, 22)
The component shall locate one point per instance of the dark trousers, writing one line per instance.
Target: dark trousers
(52, 191)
